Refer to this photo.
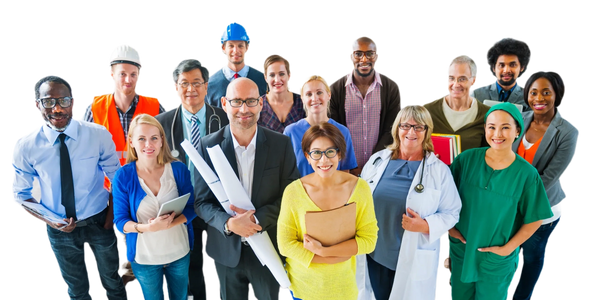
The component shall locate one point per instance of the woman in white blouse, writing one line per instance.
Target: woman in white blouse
(156, 246)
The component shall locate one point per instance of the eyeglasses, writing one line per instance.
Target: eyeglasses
(186, 84)
(360, 54)
(64, 102)
(461, 79)
(407, 127)
(317, 154)
(239, 102)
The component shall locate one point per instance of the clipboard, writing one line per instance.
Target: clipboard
(331, 227)
(176, 205)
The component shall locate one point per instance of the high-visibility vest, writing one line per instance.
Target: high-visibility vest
(105, 113)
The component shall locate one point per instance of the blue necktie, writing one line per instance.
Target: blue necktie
(195, 135)
(67, 195)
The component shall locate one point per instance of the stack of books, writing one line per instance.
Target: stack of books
(447, 146)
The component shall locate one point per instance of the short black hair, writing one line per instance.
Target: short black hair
(189, 65)
(508, 46)
(556, 82)
(55, 79)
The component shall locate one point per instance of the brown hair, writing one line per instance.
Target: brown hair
(276, 58)
(164, 155)
(420, 115)
(325, 130)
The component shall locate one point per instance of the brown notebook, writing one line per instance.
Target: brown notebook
(333, 226)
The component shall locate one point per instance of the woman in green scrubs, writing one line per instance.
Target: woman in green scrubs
(504, 203)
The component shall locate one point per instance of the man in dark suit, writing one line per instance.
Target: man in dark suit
(192, 120)
(265, 163)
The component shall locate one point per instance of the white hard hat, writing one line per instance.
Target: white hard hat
(125, 54)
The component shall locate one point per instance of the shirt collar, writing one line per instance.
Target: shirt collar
(252, 144)
(201, 114)
(377, 80)
(71, 131)
(229, 72)
(500, 89)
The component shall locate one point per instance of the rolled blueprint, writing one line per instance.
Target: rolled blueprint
(207, 173)
(232, 192)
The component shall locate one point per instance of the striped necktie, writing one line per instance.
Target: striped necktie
(195, 136)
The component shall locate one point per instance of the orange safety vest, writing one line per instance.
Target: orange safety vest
(104, 111)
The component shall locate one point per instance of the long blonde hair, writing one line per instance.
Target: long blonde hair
(164, 155)
(420, 115)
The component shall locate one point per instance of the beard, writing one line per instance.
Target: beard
(507, 83)
(364, 74)
(47, 118)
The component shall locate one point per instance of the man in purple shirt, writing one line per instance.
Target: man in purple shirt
(366, 102)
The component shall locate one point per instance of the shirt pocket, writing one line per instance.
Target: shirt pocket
(87, 168)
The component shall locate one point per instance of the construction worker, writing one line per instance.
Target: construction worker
(234, 43)
(115, 111)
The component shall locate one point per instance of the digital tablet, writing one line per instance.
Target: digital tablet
(494, 102)
(176, 205)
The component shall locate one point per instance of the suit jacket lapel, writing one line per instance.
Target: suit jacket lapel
(516, 95)
(260, 160)
(178, 135)
(493, 92)
(548, 137)
(229, 151)
(527, 118)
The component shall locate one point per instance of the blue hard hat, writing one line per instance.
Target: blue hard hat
(235, 32)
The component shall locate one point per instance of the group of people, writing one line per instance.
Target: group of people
(328, 147)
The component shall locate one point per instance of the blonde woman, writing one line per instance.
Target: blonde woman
(315, 97)
(156, 247)
(416, 202)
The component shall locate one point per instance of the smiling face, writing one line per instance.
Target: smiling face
(411, 140)
(500, 130)
(242, 117)
(192, 98)
(507, 70)
(541, 96)
(277, 77)
(325, 166)
(315, 97)
(363, 66)
(460, 81)
(235, 51)
(146, 141)
(125, 77)
(57, 118)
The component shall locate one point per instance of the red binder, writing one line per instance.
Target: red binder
(444, 147)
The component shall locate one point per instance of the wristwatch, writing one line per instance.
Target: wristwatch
(226, 229)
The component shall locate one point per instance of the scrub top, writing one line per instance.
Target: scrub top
(495, 204)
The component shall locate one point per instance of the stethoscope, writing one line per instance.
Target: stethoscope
(419, 188)
(213, 117)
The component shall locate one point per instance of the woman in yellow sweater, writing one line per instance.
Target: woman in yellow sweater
(316, 271)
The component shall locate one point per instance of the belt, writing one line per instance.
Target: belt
(99, 218)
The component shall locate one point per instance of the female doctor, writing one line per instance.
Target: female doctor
(416, 202)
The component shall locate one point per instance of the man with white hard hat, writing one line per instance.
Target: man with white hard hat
(234, 43)
(115, 111)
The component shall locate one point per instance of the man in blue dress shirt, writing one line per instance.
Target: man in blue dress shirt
(70, 159)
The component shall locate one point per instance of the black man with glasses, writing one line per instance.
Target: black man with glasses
(366, 102)
(70, 159)
(265, 164)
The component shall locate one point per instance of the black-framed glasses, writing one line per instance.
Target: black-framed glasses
(317, 154)
(417, 127)
(186, 84)
(64, 102)
(360, 54)
(252, 102)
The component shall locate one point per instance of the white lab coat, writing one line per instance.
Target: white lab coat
(440, 205)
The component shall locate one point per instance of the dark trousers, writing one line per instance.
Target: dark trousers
(535, 257)
(197, 282)
(234, 281)
(382, 279)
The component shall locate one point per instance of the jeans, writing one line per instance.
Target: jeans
(533, 260)
(69, 252)
(151, 279)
